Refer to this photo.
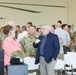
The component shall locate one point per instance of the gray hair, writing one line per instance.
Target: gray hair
(24, 28)
(46, 25)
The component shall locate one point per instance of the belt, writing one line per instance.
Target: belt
(65, 46)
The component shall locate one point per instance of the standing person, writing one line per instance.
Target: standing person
(18, 30)
(9, 44)
(2, 37)
(48, 48)
(52, 29)
(21, 35)
(29, 24)
(74, 34)
(67, 46)
(27, 40)
(60, 22)
(64, 35)
(69, 31)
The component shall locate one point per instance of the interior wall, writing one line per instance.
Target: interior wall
(48, 15)
(72, 13)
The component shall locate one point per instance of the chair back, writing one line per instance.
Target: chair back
(17, 70)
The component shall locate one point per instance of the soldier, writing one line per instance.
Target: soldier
(61, 53)
(2, 37)
(27, 42)
(18, 30)
(74, 34)
(73, 47)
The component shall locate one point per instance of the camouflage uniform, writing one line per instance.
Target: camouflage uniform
(2, 37)
(74, 34)
(61, 53)
(16, 33)
(27, 45)
(73, 47)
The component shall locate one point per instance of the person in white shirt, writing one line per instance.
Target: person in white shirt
(64, 35)
(21, 35)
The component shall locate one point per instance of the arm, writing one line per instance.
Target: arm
(35, 44)
(18, 38)
(23, 42)
(68, 40)
(56, 46)
(6, 48)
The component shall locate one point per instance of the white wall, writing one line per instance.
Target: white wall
(72, 14)
(72, 11)
(48, 15)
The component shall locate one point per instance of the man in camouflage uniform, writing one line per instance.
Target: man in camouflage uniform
(18, 31)
(27, 42)
(2, 37)
(74, 34)
(73, 47)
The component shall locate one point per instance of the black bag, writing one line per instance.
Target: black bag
(15, 61)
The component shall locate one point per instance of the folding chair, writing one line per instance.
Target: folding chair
(70, 59)
(59, 66)
(30, 61)
(17, 70)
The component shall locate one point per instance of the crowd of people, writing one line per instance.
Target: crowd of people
(46, 43)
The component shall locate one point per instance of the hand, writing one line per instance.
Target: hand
(37, 41)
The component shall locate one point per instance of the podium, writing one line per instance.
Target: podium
(17, 69)
(1, 62)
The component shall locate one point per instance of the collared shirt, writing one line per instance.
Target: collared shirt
(64, 35)
(21, 35)
(42, 45)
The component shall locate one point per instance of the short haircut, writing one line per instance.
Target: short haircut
(59, 21)
(24, 28)
(29, 23)
(53, 26)
(33, 26)
(47, 26)
(38, 29)
(18, 26)
(64, 26)
(69, 26)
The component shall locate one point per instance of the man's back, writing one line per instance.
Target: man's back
(64, 35)
(21, 35)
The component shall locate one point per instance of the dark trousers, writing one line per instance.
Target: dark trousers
(6, 68)
(65, 49)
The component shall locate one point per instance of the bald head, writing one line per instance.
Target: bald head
(11, 23)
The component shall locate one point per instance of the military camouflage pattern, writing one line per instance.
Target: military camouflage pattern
(16, 33)
(61, 53)
(17, 53)
(74, 34)
(2, 37)
(73, 47)
(27, 45)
